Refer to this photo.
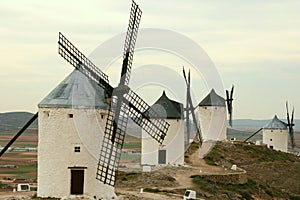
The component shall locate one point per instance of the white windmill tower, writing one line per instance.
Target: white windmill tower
(275, 134)
(171, 151)
(75, 109)
(73, 163)
(212, 116)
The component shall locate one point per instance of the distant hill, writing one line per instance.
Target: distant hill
(13, 121)
(251, 124)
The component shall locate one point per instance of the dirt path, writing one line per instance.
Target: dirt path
(198, 167)
(16, 195)
(125, 194)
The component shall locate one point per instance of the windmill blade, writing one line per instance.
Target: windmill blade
(132, 105)
(231, 93)
(292, 119)
(287, 114)
(292, 130)
(292, 137)
(113, 140)
(230, 119)
(187, 114)
(190, 108)
(290, 124)
(125, 104)
(194, 119)
(228, 101)
(253, 135)
(142, 114)
(189, 78)
(33, 118)
(71, 54)
(187, 119)
(186, 80)
(134, 21)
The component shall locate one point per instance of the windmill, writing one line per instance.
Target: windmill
(124, 102)
(190, 108)
(290, 125)
(229, 99)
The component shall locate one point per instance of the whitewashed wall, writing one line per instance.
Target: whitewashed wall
(58, 135)
(173, 143)
(276, 138)
(212, 122)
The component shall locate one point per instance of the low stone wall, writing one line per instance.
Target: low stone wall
(232, 178)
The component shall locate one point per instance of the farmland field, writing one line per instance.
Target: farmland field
(25, 162)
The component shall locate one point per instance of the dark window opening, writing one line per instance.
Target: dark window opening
(102, 116)
(271, 147)
(270, 139)
(76, 149)
(70, 115)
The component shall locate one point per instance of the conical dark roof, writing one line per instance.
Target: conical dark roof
(167, 108)
(276, 123)
(212, 99)
(76, 91)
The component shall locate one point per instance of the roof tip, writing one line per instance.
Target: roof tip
(212, 99)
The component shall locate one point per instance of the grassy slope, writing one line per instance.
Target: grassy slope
(271, 174)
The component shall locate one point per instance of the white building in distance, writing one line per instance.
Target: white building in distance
(71, 121)
(172, 149)
(275, 135)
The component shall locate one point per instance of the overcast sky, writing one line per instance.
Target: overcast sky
(254, 45)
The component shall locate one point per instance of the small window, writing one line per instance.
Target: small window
(46, 113)
(271, 147)
(77, 149)
(70, 115)
(102, 116)
(271, 130)
(270, 139)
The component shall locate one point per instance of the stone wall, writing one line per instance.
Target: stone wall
(234, 178)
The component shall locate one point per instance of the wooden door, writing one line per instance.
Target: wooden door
(77, 181)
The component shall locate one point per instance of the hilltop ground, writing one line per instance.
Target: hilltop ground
(270, 175)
